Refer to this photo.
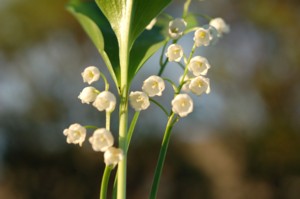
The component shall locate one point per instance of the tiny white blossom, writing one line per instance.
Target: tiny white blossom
(202, 37)
(198, 65)
(176, 28)
(113, 156)
(151, 24)
(182, 105)
(220, 25)
(153, 85)
(75, 134)
(88, 94)
(105, 101)
(199, 85)
(174, 52)
(139, 100)
(185, 86)
(101, 140)
(90, 74)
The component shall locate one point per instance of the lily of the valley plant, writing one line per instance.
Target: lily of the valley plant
(127, 33)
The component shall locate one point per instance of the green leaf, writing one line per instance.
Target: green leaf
(98, 29)
(144, 47)
(143, 11)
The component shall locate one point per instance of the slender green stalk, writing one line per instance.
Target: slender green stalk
(162, 157)
(186, 8)
(105, 82)
(90, 127)
(160, 106)
(131, 128)
(124, 87)
(104, 182)
(107, 121)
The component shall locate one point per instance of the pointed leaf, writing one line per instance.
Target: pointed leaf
(98, 29)
(144, 47)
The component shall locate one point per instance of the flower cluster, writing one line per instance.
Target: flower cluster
(102, 139)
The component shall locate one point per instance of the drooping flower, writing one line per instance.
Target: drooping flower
(176, 28)
(90, 74)
(88, 95)
(153, 85)
(202, 37)
(198, 65)
(174, 52)
(105, 101)
(139, 100)
(113, 156)
(220, 25)
(75, 134)
(101, 140)
(199, 85)
(151, 24)
(182, 105)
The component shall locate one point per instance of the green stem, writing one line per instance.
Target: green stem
(160, 106)
(107, 122)
(104, 183)
(186, 8)
(90, 127)
(105, 82)
(131, 128)
(162, 156)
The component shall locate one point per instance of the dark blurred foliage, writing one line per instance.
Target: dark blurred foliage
(242, 142)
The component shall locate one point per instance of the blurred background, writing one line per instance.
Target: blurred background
(241, 142)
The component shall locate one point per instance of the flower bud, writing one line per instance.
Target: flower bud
(90, 74)
(151, 24)
(101, 140)
(182, 105)
(75, 134)
(153, 85)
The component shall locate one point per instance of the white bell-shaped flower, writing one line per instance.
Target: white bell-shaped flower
(88, 95)
(176, 28)
(105, 101)
(90, 74)
(75, 134)
(199, 85)
(182, 105)
(198, 65)
(153, 85)
(101, 140)
(139, 100)
(174, 52)
(113, 156)
(220, 25)
(202, 37)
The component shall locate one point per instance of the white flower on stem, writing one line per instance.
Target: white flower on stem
(202, 37)
(153, 85)
(220, 25)
(182, 105)
(75, 134)
(113, 156)
(151, 24)
(199, 85)
(139, 100)
(88, 94)
(174, 52)
(105, 101)
(101, 140)
(90, 74)
(198, 65)
(185, 86)
(176, 28)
